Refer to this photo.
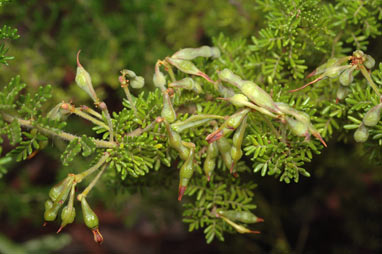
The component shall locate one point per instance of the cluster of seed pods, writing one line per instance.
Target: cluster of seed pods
(343, 68)
(251, 97)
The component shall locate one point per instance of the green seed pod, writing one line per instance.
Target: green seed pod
(188, 84)
(175, 141)
(67, 216)
(185, 174)
(90, 218)
(330, 63)
(191, 53)
(373, 116)
(210, 161)
(361, 134)
(168, 112)
(188, 67)
(369, 62)
(335, 71)
(300, 116)
(48, 204)
(51, 214)
(56, 190)
(193, 121)
(298, 128)
(239, 228)
(258, 96)
(239, 100)
(228, 76)
(137, 82)
(241, 216)
(237, 140)
(57, 113)
(342, 92)
(159, 79)
(346, 77)
(224, 147)
(84, 81)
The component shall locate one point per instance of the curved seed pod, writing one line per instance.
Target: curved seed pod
(321, 69)
(369, 62)
(228, 76)
(56, 190)
(90, 218)
(228, 126)
(84, 81)
(299, 115)
(239, 228)
(168, 112)
(210, 161)
(258, 96)
(188, 84)
(241, 216)
(186, 173)
(373, 116)
(188, 67)
(298, 128)
(361, 134)
(193, 121)
(191, 53)
(237, 140)
(137, 82)
(346, 77)
(342, 92)
(335, 71)
(175, 141)
(224, 147)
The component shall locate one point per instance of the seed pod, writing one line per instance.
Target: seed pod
(90, 218)
(228, 126)
(224, 147)
(342, 92)
(188, 84)
(193, 121)
(51, 213)
(84, 81)
(241, 216)
(191, 53)
(358, 53)
(186, 173)
(168, 112)
(298, 128)
(373, 116)
(188, 67)
(369, 62)
(258, 96)
(210, 161)
(237, 140)
(175, 141)
(239, 228)
(68, 213)
(346, 77)
(361, 134)
(228, 76)
(321, 69)
(137, 82)
(57, 113)
(56, 190)
(335, 71)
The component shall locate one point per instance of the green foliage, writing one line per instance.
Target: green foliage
(134, 144)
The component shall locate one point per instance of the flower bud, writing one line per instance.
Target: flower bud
(369, 62)
(83, 80)
(361, 134)
(346, 77)
(373, 116)
(358, 53)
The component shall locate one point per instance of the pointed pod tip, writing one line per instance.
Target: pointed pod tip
(44, 224)
(255, 232)
(98, 238)
(259, 219)
(182, 189)
(78, 58)
(59, 230)
(208, 178)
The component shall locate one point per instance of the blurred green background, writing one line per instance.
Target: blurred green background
(322, 214)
